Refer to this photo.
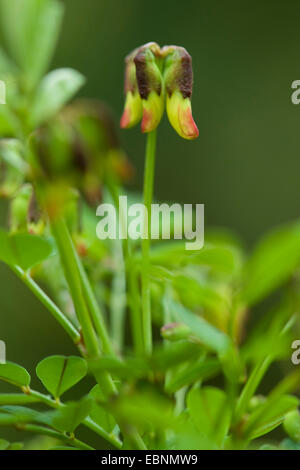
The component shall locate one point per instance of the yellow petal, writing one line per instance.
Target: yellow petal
(133, 110)
(153, 109)
(179, 112)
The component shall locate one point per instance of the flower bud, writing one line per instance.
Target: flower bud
(35, 220)
(150, 85)
(25, 215)
(133, 109)
(175, 331)
(178, 78)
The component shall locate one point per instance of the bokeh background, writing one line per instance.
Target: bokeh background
(244, 167)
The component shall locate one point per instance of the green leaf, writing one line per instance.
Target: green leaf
(274, 260)
(170, 355)
(127, 368)
(219, 258)
(6, 67)
(222, 258)
(289, 444)
(147, 409)
(98, 413)
(270, 335)
(268, 447)
(292, 425)
(23, 414)
(16, 446)
(200, 369)
(210, 412)
(14, 374)
(23, 249)
(198, 294)
(31, 30)
(4, 445)
(209, 336)
(59, 373)
(69, 417)
(188, 437)
(269, 416)
(13, 167)
(55, 90)
(9, 124)
(11, 151)
(251, 385)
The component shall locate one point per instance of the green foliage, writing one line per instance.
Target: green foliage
(23, 249)
(292, 425)
(210, 412)
(264, 420)
(5, 445)
(14, 374)
(59, 373)
(68, 418)
(31, 30)
(98, 412)
(55, 90)
(273, 262)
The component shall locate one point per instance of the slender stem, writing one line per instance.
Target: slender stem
(88, 422)
(48, 303)
(69, 261)
(114, 440)
(118, 302)
(131, 284)
(94, 309)
(72, 441)
(118, 291)
(136, 440)
(134, 302)
(148, 194)
(11, 420)
(251, 386)
(17, 399)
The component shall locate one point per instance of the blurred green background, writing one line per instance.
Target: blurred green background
(245, 165)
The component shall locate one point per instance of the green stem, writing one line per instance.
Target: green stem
(17, 399)
(72, 441)
(131, 283)
(88, 422)
(250, 387)
(94, 310)
(146, 242)
(48, 303)
(10, 420)
(114, 440)
(118, 302)
(69, 262)
(134, 302)
(121, 252)
(68, 259)
(136, 440)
